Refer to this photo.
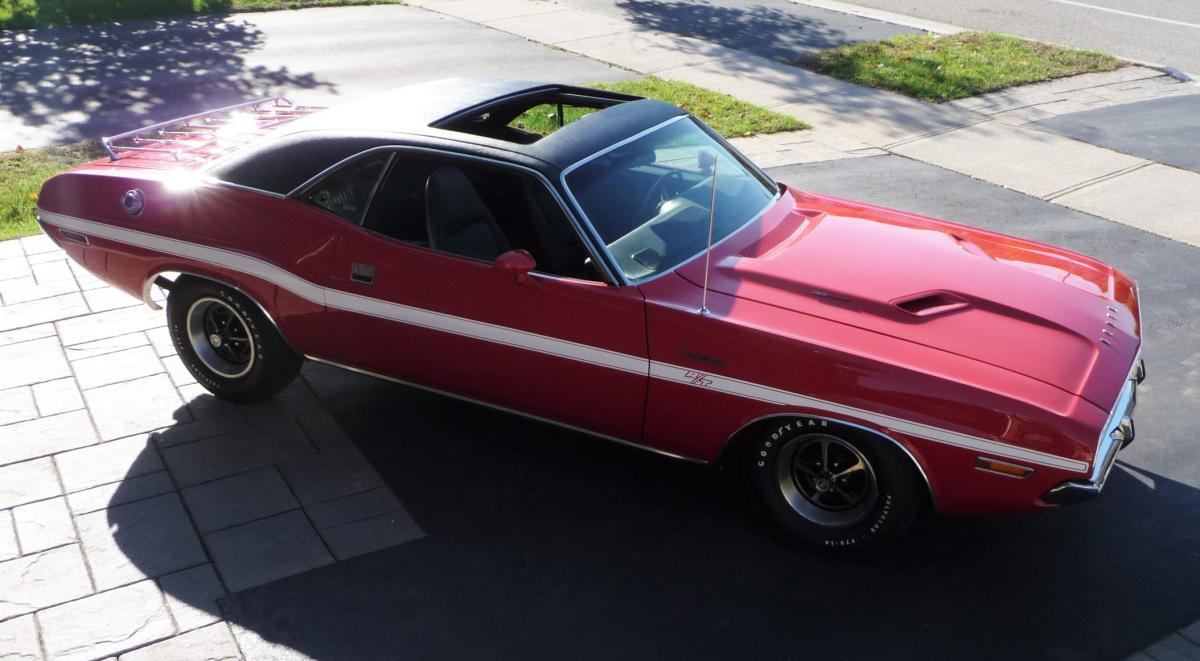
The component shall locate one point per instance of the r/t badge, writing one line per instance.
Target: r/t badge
(697, 379)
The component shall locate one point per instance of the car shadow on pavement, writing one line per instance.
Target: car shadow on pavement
(105, 78)
(543, 543)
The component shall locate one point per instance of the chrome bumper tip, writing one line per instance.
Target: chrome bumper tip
(1120, 433)
(1072, 492)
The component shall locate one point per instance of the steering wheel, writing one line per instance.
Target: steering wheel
(659, 193)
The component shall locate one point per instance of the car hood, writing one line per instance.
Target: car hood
(1047, 313)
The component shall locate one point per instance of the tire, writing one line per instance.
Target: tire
(227, 343)
(831, 487)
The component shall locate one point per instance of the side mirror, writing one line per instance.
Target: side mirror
(518, 263)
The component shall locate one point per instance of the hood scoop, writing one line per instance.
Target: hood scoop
(931, 304)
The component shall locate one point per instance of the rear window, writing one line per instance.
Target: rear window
(282, 165)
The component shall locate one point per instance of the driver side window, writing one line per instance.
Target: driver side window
(475, 210)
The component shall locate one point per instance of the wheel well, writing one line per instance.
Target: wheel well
(163, 281)
(733, 447)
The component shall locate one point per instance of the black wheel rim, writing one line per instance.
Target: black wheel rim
(826, 480)
(220, 337)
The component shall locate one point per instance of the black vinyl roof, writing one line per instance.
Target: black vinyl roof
(416, 114)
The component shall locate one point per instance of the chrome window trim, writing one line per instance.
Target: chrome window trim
(604, 246)
(387, 169)
(607, 272)
(208, 179)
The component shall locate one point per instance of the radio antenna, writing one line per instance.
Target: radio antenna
(712, 215)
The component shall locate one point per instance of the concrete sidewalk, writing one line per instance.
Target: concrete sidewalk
(985, 137)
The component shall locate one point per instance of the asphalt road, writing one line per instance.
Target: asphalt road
(1162, 130)
(1161, 31)
(63, 84)
(546, 544)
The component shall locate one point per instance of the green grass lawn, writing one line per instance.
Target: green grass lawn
(22, 174)
(16, 14)
(728, 116)
(953, 66)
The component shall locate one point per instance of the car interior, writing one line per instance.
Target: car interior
(457, 207)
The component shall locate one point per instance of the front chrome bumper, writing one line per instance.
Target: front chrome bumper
(1118, 433)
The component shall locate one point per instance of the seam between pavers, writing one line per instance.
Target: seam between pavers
(87, 565)
(38, 409)
(166, 607)
(1092, 182)
(75, 378)
(17, 538)
(33, 339)
(39, 500)
(361, 519)
(283, 478)
(109, 353)
(187, 511)
(37, 627)
(384, 483)
(25, 256)
(236, 643)
(162, 595)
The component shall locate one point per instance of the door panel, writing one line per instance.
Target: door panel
(568, 350)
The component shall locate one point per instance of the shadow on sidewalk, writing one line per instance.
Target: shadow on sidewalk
(766, 31)
(107, 78)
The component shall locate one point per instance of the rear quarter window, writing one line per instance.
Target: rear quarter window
(347, 191)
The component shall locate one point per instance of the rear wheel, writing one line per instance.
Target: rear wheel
(227, 343)
(831, 486)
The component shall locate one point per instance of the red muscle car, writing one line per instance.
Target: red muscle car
(631, 275)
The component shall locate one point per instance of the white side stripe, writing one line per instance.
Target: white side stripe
(749, 390)
(485, 331)
(341, 300)
(207, 254)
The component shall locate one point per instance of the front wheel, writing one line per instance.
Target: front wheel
(831, 486)
(227, 343)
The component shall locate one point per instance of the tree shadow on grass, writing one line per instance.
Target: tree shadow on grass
(93, 80)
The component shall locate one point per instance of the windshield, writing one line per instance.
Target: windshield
(649, 199)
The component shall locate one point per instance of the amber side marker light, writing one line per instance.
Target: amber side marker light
(1010, 470)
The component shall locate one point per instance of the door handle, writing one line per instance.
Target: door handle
(364, 273)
